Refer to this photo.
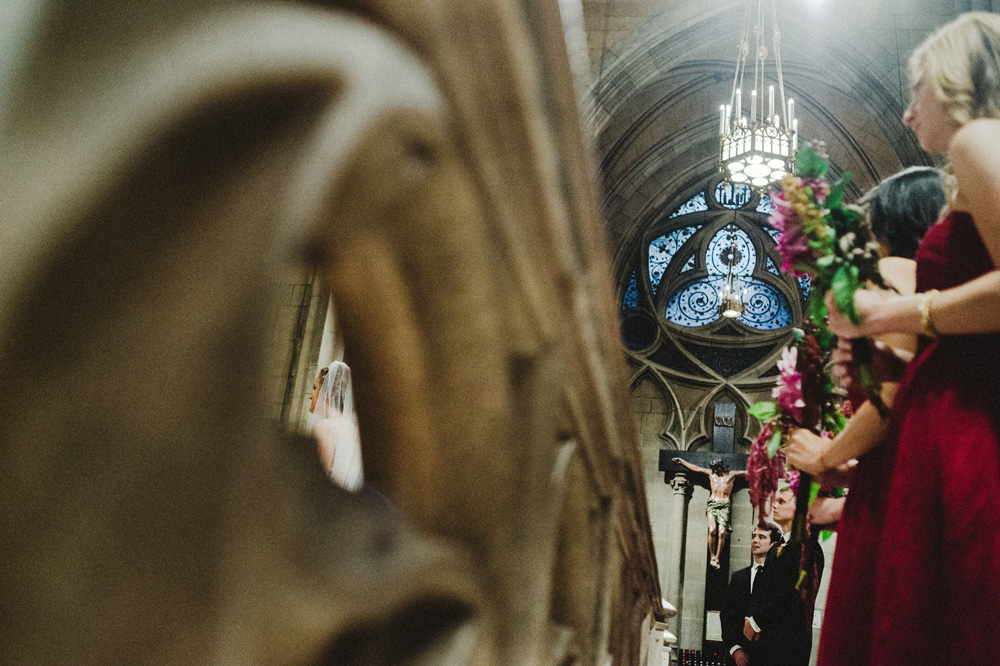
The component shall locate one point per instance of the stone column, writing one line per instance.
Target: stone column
(672, 571)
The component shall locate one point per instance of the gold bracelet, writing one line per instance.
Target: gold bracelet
(924, 308)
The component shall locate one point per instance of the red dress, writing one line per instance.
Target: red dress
(916, 572)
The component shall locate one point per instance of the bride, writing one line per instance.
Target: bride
(336, 431)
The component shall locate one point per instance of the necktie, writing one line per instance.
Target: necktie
(757, 568)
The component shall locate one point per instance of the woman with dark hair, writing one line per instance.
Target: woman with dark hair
(903, 207)
(899, 210)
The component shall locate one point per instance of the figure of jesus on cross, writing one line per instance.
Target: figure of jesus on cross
(721, 481)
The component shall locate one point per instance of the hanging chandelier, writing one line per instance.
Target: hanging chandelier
(732, 295)
(757, 149)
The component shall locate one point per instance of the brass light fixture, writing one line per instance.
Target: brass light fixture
(757, 149)
(733, 295)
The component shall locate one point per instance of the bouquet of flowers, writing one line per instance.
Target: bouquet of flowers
(831, 244)
(803, 398)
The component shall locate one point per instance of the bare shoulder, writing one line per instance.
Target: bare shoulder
(977, 142)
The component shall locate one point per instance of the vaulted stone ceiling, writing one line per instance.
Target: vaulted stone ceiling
(660, 70)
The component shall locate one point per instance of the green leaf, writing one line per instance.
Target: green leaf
(844, 284)
(813, 492)
(809, 163)
(763, 411)
(802, 579)
(854, 220)
(826, 260)
(836, 197)
(833, 420)
(817, 306)
(772, 446)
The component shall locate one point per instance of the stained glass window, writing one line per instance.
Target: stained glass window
(692, 279)
(732, 196)
(767, 308)
(663, 249)
(697, 304)
(764, 206)
(731, 234)
(631, 299)
(694, 205)
(805, 283)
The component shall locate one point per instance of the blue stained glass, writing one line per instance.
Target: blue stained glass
(631, 299)
(732, 196)
(689, 265)
(697, 304)
(767, 308)
(773, 232)
(805, 283)
(663, 249)
(771, 267)
(764, 206)
(720, 242)
(694, 205)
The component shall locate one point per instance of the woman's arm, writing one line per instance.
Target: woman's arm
(866, 430)
(970, 308)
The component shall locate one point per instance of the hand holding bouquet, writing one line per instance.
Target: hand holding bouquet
(831, 244)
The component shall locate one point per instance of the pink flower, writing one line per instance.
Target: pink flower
(793, 243)
(793, 476)
(788, 392)
(820, 189)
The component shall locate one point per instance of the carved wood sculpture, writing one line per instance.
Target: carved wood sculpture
(157, 161)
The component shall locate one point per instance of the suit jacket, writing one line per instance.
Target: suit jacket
(785, 621)
(735, 609)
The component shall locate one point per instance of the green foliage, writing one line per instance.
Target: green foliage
(835, 199)
(833, 421)
(763, 411)
(813, 492)
(844, 284)
(810, 164)
(774, 443)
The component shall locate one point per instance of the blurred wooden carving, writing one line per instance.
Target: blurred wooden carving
(158, 161)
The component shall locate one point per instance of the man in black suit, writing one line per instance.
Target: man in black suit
(779, 621)
(741, 587)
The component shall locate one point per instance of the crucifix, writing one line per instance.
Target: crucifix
(716, 465)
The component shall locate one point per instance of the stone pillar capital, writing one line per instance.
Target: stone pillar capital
(680, 483)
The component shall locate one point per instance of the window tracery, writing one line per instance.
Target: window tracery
(684, 262)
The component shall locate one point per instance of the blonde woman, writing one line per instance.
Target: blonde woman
(932, 591)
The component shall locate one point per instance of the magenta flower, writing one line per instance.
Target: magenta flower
(820, 189)
(793, 243)
(792, 476)
(788, 392)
